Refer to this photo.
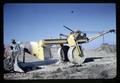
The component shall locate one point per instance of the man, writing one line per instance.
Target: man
(15, 48)
(16, 51)
(11, 53)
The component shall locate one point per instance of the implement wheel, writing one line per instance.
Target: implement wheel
(75, 56)
(62, 53)
(8, 64)
(8, 61)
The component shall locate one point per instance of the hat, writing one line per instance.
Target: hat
(13, 40)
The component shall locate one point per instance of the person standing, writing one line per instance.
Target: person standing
(15, 48)
(16, 51)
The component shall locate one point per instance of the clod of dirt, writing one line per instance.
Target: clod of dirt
(59, 70)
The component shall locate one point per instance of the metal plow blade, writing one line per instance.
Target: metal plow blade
(16, 66)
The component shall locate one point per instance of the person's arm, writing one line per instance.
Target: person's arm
(11, 47)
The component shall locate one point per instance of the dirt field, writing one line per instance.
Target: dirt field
(100, 63)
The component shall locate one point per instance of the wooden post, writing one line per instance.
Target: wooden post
(23, 56)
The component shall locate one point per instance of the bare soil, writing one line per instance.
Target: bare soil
(99, 64)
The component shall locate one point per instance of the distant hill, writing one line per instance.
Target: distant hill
(108, 48)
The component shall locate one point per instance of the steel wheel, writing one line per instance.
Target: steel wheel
(62, 53)
(74, 56)
(8, 64)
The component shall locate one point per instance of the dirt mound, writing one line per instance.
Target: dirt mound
(107, 48)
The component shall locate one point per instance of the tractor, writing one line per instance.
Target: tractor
(70, 47)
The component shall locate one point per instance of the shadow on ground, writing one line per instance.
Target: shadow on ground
(91, 59)
(28, 66)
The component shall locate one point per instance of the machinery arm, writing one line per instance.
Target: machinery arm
(91, 38)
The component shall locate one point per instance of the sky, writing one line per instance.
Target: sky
(37, 21)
